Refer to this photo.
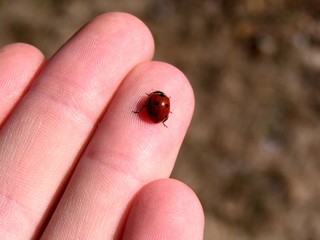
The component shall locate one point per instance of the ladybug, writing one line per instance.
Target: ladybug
(158, 107)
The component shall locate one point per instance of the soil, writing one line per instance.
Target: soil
(253, 148)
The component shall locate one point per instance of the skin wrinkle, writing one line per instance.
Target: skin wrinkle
(143, 150)
(77, 197)
(16, 155)
(71, 68)
(146, 147)
(82, 90)
(36, 123)
(82, 226)
(134, 162)
(116, 161)
(14, 205)
(72, 108)
(17, 158)
(9, 208)
(93, 209)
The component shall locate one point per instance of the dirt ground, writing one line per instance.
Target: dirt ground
(252, 153)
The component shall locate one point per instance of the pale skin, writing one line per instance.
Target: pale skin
(75, 162)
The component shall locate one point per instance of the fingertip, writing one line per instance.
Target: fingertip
(165, 209)
(128, 24)
(152, 146)
(23, 51)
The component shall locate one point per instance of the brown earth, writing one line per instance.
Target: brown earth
(252, 153)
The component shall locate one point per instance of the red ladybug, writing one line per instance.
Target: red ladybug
(158, 105)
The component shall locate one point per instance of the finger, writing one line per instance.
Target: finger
(19, 64)
(165, 209)
(126, 152)
(40, 142)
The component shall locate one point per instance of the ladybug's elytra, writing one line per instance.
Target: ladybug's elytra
(158, 107)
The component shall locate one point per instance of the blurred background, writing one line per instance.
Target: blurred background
(252, 153)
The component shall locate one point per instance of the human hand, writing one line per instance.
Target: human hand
(75, 162)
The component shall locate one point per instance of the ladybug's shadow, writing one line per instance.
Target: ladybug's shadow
(142, 110)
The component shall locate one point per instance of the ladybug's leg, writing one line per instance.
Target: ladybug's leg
(140, 109)
(164, 121)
